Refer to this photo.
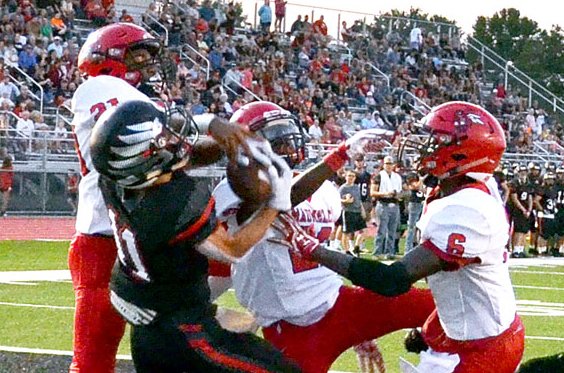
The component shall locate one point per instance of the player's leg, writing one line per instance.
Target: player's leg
(98, 328)
(501, 355)
(189, 341)
(357, 316)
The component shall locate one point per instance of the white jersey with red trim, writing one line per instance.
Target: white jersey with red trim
(272, 282)
(469, 230)
(90, 100)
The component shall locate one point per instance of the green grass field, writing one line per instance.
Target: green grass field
(38, 314)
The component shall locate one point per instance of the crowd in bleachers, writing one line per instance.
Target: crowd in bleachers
(333, 90)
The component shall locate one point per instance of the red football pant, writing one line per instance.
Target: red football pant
(500, 354)
(357, 316)
(98, 328)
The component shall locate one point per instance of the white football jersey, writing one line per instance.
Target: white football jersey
(469, 229)
(272, 282)
(90, 100)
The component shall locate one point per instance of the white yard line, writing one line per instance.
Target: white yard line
(537, 272)
(544, 338)
(536, 287)
(36, 306)
(49, 352)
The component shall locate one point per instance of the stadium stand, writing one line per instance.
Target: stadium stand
(371, 78)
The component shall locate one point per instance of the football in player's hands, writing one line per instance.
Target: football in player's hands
(248, 178)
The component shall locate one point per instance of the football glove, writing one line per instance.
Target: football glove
(295, 237)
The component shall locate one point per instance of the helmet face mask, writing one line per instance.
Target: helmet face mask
(282, 129)
(458, 139)
(136, 143)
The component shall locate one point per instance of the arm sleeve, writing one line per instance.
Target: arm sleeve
(388, 280)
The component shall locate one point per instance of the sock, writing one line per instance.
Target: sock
(519, 249)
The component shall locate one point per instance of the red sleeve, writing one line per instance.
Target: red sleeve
(453, 262)
(218, 269)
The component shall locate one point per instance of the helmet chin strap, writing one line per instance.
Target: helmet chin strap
(459, 170)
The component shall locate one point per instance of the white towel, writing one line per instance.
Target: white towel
(389, 183)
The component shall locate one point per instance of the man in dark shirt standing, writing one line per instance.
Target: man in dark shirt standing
(414, 207)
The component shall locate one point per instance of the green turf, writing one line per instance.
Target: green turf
(24, 326)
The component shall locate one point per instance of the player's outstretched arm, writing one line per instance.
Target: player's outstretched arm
(387, 280)
(309, 181)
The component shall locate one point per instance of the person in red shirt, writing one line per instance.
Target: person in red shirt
(320, 27)
(125, 17)
(6, 181)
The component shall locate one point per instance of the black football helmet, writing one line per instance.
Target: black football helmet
(139, 141)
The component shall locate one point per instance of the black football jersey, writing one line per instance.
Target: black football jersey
(522, 189)
(156, 231)
(560, 196)
(363, 181)
(549, 199)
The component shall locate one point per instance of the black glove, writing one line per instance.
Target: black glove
(414, 342)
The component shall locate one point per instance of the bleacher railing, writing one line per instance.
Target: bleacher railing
(535, 90)
(509, 69)
(152, 30)
(32, 81)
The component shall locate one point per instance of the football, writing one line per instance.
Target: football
(249, 180)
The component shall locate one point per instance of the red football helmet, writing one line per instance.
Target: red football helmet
(280, 127)
(463, 138)
(105, 51)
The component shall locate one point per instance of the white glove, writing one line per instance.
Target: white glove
(280, 177)
(260, 151)
(356, 143)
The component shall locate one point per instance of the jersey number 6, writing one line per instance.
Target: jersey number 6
(454, 245)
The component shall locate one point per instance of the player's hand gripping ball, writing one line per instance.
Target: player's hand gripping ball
(248, 174)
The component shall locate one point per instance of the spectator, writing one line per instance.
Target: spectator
(386, 187)
(67, 9)
(353, 220)
(56, 46)
(96, 12)
(315, 132)
(72, 189)
(368, 121)
(6, 182)
(320, 27)
(28, 59)
(265, 14)
(24, 131)
(280, 13)
(60, 135)
(415, 38)
(297, 25)
(58, 25)
(414, 208)
(5, 102)
(125, 17)
(7, 88)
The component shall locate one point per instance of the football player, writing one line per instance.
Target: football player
(464, 231)
(303, 308)
(546, 205)
(560, 208)
(165, 226)
(115, 60)
(535, 180)
(520, 207)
